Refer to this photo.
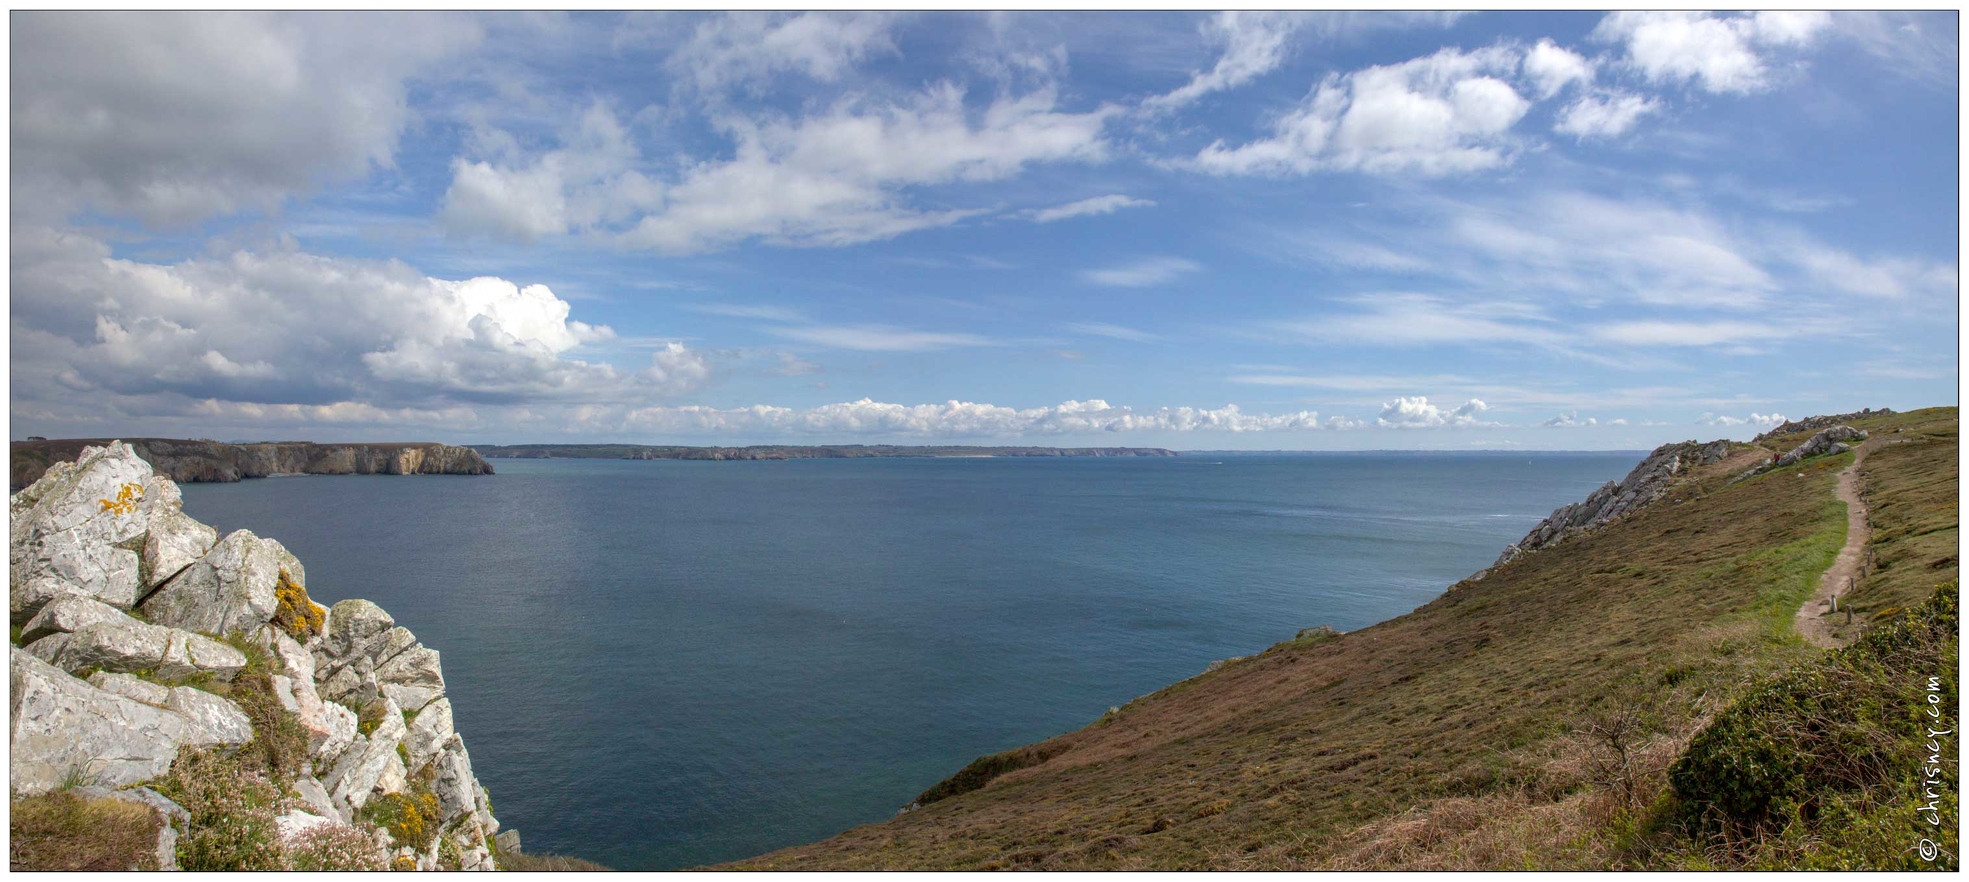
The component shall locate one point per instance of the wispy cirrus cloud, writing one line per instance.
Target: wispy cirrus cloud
(1108, 204)
(1142, 273)
(878, 338)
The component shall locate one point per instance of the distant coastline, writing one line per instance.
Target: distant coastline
(782, 451)
(206, 461)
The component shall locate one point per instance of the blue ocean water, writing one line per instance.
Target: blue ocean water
(662, 664)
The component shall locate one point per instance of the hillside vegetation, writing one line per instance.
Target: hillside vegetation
(1538, 717)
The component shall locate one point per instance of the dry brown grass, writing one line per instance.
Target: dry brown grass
(1449, 726)
(65, 831)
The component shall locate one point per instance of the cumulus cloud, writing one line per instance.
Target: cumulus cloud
(1720, 53)
(1754, 419)
(1571, 420)
(1254, 44)
(286, 327)
(1607, 114)
(1550, 67)
(590, 181)
(1142, 273)
(1418, 413)
(172, 118)
(1098, 205)
(837, 177)
(966, 419)
(745, 49)
(1440, 114)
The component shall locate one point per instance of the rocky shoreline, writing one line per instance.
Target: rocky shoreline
(199, 461)
(149, 652)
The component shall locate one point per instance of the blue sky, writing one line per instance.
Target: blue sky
(1192, 230)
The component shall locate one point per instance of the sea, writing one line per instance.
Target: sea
(665, 664)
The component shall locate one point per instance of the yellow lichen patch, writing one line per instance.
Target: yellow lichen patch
(294, 613)
(126, 500)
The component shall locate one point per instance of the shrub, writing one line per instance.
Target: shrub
(65, 831)
(984, 769)
(412, 818)
(294, 612)
(1822, 753)
(232, 806)
(333, 848)
(280, 744)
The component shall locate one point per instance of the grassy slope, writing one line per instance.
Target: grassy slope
(1454, 736)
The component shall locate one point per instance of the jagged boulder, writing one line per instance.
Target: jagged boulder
(79, 530)
(356, 774)
(363, 654)
(230, 589)
(174, 540)
(128, 645)
(215, 721)
(60, 727)
(1825, 441)
(67, 613)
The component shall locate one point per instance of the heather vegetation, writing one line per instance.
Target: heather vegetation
(1578, 707)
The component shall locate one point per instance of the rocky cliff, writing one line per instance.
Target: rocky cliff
(204, 461)
(1615, 499)
(149, 651)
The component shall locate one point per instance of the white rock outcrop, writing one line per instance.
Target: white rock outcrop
(100, 538)
(1617, 499)
(79, 530)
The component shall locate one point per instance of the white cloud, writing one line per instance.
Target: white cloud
(590, 181)
(1690, 333)
(1571, 420)
(966, 419)
(1887, 277)
(751, 311)
(1440, 114)
(1254, 44)
(878, 338)
(1142, 273)
(836, 177)
(1118, 332)
(1418, 413)
(1754, 419)
(285, 327)
(1422, 320)
(172, 118)
(1604, 115)
(1098, 205)
(1551, 67)
(744, 49)
(1719, 52)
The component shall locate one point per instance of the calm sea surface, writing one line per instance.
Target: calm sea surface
(664, 664)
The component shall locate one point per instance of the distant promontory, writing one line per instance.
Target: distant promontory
(214, 461)
(780, 451)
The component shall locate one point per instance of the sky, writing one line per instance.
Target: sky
(1210, 230)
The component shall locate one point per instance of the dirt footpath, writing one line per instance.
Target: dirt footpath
(1815, 619)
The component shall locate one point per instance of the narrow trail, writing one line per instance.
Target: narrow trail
(1815, 619)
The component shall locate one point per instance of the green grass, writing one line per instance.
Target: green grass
(1824, 766)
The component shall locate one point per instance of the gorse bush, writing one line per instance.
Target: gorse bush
(1828, 759)
(232, 806)
(294, 612)
(412, 818)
